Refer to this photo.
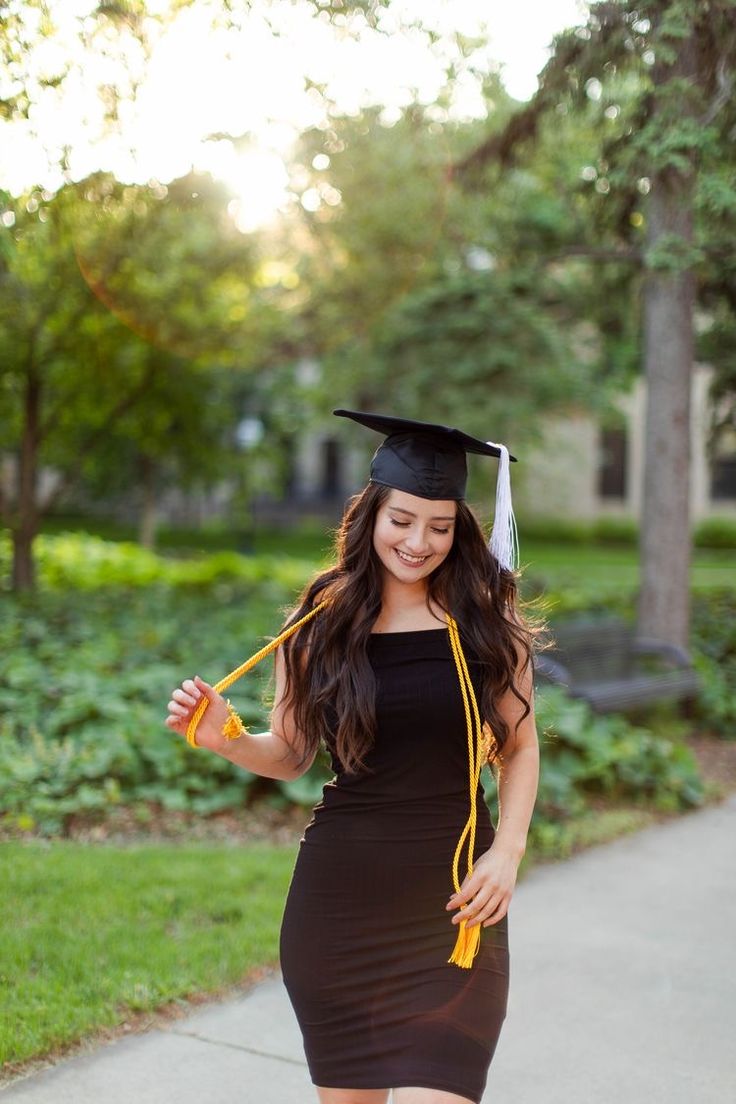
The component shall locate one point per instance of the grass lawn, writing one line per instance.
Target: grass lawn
(611, 568)
(93, 934)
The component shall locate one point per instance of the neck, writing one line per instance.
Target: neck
(399, 597)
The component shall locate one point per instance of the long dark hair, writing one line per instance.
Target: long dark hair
(328, 674)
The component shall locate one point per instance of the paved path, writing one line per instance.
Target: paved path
(623, 968)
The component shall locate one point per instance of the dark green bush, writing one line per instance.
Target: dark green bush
(716, 533)
(615, 530)
(713, 641)
(84, 687)
(555, 530)
(587, 754)
(90, 661)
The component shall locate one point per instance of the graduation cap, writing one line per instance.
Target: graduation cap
(430, 461)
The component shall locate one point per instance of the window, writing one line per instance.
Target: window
(723, 478)
(612, 463)
(331, 480)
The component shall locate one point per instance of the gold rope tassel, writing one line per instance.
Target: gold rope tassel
(243, 669)
(467, 944)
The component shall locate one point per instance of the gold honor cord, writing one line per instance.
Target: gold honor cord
(468, 939)
(243, 669)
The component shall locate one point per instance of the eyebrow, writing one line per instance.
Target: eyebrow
(438, 517)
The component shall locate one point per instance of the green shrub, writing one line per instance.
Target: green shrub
(602, 530)
(587, 754)
(713, 641)
(89, 663)
(716, 533)
(555, 530)
(615, 530)
(84, 688)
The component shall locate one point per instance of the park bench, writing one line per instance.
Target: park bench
(608, 666)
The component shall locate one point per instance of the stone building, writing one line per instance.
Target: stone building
(581, 470)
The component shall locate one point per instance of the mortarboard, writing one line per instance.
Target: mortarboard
(430, 461)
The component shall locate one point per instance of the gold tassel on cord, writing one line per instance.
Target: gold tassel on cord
(233, 727)
(224, 683)
(467, 944)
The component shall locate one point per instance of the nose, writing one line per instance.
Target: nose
(416, 542)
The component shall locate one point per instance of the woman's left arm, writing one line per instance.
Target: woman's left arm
(486, 894)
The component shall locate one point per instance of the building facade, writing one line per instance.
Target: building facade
(580, 470)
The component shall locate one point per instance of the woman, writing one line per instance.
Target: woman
(415, 669)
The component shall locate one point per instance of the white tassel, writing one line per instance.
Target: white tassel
(504, 542)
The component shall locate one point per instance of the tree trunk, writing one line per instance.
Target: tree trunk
(25, 524)
(664, 599)
(24, 572)
(669, 299)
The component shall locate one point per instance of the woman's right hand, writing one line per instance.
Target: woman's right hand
(184, 701)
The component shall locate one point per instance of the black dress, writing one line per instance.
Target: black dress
(365, 936)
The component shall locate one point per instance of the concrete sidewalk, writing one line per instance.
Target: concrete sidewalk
(623, 962)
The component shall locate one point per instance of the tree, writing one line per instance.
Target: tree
(425, 296)
(111, 378)
(679, 57)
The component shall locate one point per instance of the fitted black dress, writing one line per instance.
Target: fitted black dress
(365, 936)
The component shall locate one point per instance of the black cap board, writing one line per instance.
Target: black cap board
(422, 458)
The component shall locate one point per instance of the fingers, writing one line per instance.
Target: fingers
(201, 687)
(472, 911)
(184, 700)
(497, 915)
(177, 724)
(479, 903)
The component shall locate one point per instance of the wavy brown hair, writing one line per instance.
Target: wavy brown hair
(330, 685)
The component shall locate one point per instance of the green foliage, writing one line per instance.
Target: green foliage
(80, 562)
(90, 669)
(672, 254)
(494, 330)
(602, 531)
(712, 636)
(130, 319)
(714, 647)
(92, 659)
(716, 533)
(585, 754)
(417, 287)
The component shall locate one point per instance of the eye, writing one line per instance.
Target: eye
(401, 524)
(440, 530)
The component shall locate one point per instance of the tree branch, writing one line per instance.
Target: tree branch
(724, 81)
(574, 61)
(600, 253)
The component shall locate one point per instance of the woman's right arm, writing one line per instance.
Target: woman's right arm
(273, 754)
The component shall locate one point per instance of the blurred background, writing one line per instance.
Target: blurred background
(219, 221)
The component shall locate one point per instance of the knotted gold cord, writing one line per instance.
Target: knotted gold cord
(243, 669)
(468, 939)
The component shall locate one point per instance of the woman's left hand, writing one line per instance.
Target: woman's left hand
(485, 895)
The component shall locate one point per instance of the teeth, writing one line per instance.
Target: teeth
(410, 559)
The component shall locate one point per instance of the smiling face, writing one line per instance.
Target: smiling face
(412, 536)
